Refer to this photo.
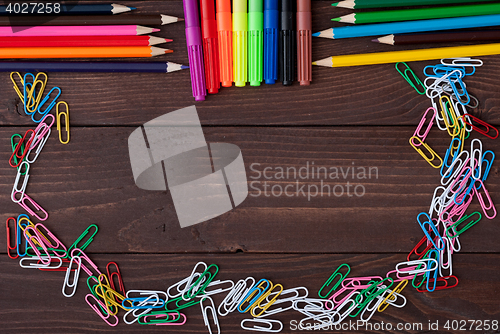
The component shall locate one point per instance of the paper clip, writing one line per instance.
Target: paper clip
(16, 87)
(206, 320)
(198, 287)
(58, 244)
(20, 234)
(65, 114)
(258, 325)
(100, 314)
(417, 246)
(444, 279)
(417, 263)
(57, 267)
(163, 322)
(485, 132)
(45, 258)
(22, 190)
(9, 246)
(234, 297)
(145, 306)
(397, 290)
(108, 294)
(434, 155)
(19, 146)
(73, 284)
(421, 124)
(121, 288)
(13, 145)
(332, 277)
(189, 284)
(87, 243)
(178, 303)
(257, 304)
(486, 169)
(485, 208)
(476, 176)
(28, 91)
(39, 143)
(469, 224)
(448, 110)
(49, 107)
(83, 256)
(432, 227)
(371, 292)
(463, 61)
(39, 265)
(34, 98)
(35, 205)
(411, 78)
(258, 290)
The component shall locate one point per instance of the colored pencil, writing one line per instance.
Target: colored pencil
(410, 55)
(46, 41)
(121, 30)
(147, 20)
(82, 52)
(78, 9)
(90, 66)
(355, 4)
(410, 26)
(419, 14)
(441, 37)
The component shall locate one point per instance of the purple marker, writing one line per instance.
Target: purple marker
(195, 49)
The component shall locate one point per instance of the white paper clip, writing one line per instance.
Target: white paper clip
(75, 277)
(39, 265)
(15, 188)
(210, 307)
(258, 322)
(235, 295)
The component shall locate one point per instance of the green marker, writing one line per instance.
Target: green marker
(240, 30)
(255, 41)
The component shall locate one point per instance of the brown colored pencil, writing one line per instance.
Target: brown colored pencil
(441, 37)
(74, 20)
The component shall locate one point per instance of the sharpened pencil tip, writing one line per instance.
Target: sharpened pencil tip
(375, 40)
(155, 30)
(183, 67)
(337, 19)
(181, 19)
(314, 63)
(335, 4)
(169, 51)
(316, 34)
(132, 8)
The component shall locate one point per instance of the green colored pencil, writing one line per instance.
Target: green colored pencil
(420, 13)
(354, 4)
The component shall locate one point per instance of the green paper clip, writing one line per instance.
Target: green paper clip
(411, 78)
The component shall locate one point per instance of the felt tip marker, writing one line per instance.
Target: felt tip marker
(210, 48)
(225, 42)
(304, 42)
(240, 49)
(287, 43)
(194, 47)
(255, 41)
(271, 27)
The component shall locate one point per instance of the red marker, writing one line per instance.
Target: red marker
(210, 47)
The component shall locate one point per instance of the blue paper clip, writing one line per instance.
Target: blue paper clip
(433, 228)
(250, 293)
(50, 106)
(435, 271)
(20, 235)
(486, 170)
(447, 155)
(458, 193)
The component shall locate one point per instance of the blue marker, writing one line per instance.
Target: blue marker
(271, 25)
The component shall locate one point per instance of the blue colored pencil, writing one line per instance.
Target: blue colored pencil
(410, 26)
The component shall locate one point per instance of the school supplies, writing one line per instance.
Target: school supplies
(84, 66)
(83, 52)
(195, 52)
(287, 43)
(70, 41)
(271, 35)
(355, 4)
(409, 55)
(240, 43)
(255, 41)
(210, 48)
(225, 42)
(419, 14)
(304, 42)
(56, 8)
(410, 26)
(59, 116)
(437, 37)
(86, 20)
(100, 30)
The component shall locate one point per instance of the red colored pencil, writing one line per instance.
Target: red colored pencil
(71, 41)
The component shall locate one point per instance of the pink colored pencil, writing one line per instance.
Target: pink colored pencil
(117, 30)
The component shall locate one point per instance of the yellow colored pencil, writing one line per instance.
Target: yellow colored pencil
(82, 52)
(410, 55)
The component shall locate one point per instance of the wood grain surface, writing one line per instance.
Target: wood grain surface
(347, 119)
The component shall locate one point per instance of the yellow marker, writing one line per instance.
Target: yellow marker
(410, 55)
(66, 121)
(397, 289)
(433, 154)
(240, 44)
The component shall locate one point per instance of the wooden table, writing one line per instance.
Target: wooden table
(348, 117)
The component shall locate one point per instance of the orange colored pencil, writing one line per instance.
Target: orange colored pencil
(83, 52)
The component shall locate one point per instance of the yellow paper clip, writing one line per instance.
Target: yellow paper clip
(108, 295)
(264, 296)
(433, 154)
(34, 97)
(397, 289)
(66, 121)
(447, 108)
(16, 87)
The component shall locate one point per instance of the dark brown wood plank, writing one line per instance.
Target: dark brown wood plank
(374, 95)
(89, 181)
(32, 300)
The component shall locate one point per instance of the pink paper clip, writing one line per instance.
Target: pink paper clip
(53, 237)
(96, 310)
(35, 205)
(421, 124)
(83, 256)
(485, 208)
(166, 323)
(339, 292)
(44, 259)
(356, 281)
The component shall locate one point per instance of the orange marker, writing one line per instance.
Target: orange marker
(83, 52)
(225, 33)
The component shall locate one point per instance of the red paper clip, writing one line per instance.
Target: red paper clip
(18, 147)
(417, 246)
(444, 279)
(9, 247)
(483, 123)
(112, 282)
